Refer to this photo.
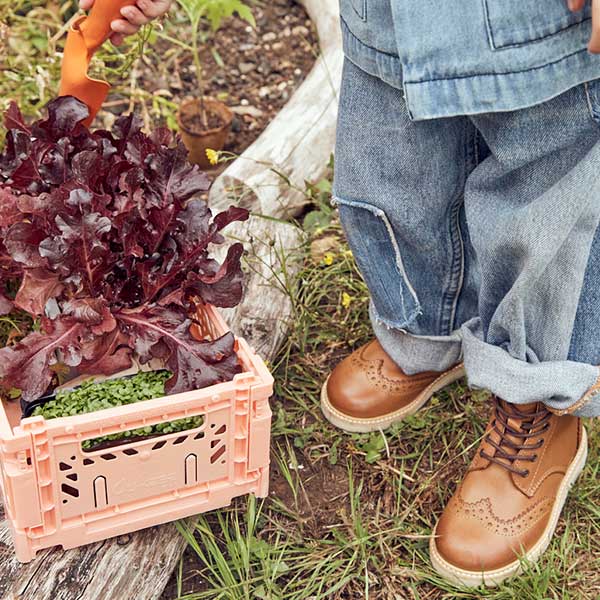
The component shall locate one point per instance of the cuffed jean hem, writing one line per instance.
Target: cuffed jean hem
(564, 386)
(415, 353)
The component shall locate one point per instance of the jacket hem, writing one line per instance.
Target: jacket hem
(473, 93)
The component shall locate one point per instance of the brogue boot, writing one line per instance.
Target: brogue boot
(367, 391)
(507, 507)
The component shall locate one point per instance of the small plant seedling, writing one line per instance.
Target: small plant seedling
(92, 396)
(214, 12)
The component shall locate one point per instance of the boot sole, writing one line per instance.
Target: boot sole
(495, 577)
(365, 425)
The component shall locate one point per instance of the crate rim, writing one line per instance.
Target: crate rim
(255, 373)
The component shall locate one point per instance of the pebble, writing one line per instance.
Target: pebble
(320, 247)
(269, 37)
(250, 111)
(246, 67)
(300, 30)
(265, 68)
(264, 92)
(236, 125)
(244, 102)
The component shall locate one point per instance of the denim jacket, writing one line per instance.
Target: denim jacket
(458, 57)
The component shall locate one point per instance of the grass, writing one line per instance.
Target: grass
(349, 515)
(13, 327)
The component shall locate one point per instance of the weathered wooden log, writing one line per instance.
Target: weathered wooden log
(132, 567)
(298, 142)
(272, 261)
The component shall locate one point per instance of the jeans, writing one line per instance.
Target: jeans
(477, 237)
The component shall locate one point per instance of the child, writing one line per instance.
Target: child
(468, 183)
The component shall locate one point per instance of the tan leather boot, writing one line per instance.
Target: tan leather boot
(367, 391)
(508, 504)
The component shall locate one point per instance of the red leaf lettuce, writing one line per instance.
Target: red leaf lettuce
(105, 238)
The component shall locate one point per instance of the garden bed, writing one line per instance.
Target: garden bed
(255, 71)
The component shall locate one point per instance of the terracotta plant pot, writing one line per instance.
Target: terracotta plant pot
(196, 141)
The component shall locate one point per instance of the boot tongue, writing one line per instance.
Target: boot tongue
(528, 408)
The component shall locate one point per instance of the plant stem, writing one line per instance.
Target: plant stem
(198, 66)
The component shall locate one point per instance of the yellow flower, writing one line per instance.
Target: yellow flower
(212, 155)
(328, 258)
(346, 300)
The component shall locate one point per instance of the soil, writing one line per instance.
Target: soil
(262, 67)
(192, 120)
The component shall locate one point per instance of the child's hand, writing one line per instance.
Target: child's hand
(133, 16)
(594, 43)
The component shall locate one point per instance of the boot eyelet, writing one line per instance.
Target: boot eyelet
(525, 473)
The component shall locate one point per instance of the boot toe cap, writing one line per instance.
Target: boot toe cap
(472, 544)
(347, 392)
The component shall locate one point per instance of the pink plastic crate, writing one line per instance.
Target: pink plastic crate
(56, 493)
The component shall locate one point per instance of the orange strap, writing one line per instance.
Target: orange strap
(84, 38)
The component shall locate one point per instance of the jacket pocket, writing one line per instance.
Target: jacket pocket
(516, 22)
(377, 254)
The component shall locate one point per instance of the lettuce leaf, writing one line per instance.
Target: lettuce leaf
(108, 243)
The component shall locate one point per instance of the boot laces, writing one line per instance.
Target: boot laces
(513, 437)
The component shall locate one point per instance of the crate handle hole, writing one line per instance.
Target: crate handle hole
(69, 489)
(100, 492)
(215, 457)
